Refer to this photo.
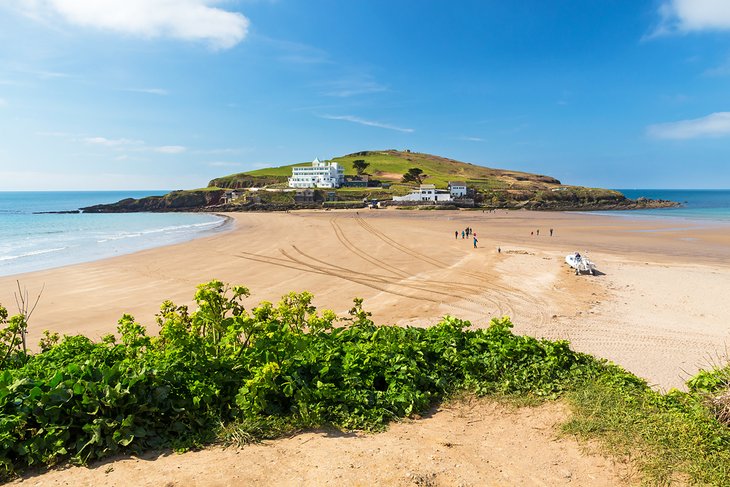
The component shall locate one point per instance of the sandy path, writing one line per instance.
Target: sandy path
(464, 444)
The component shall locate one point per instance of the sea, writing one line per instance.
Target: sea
(696, 204)
(31, 240)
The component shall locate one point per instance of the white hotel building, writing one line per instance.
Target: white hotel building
(318, 175)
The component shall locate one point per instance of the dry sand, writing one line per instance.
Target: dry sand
(658, 307)
(479, 443)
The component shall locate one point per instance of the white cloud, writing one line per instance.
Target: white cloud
(111, 142)
(194, 20)
(369, 123)
(170, 149)
(713, 125)
(470, 139)
(3, 102)
(123, 144)
(692, 15)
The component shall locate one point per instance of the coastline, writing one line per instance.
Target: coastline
(80, 239)
(657, 308)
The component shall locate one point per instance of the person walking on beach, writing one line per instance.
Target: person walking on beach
(456, 235)
(463, 234)
(538, 232)
(475, 241)
(551, 232)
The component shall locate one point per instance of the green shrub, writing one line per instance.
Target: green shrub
(223, 371)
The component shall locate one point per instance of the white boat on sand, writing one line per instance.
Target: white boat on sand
(580, 263)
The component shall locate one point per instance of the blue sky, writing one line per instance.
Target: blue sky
(147, 94)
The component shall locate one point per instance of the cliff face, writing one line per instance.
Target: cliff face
(193, 200)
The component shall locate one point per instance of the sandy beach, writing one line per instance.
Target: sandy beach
(657, 308)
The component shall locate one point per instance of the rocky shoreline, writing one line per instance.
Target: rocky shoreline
(213, 201)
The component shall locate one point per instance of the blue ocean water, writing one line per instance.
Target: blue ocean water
(697, 204)
(30, 241)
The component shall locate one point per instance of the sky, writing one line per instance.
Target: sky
(168, 94)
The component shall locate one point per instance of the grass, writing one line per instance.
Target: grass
(670, 438)
(390, 165)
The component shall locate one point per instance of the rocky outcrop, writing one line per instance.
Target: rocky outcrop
(243, 180)
(194, 200)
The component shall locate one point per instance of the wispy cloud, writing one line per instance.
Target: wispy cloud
(127, 145)
(713, 125)
(354, 86)
(193, 20)
(42, 74)
(170, 149)
(103, 141)
(722, 69)
(682, 16)
(149, 91)
(470, 139)
(3, 102)
(369, 123)
(296, 52)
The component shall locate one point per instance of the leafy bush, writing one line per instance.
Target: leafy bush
(223, 371)
(222, 364)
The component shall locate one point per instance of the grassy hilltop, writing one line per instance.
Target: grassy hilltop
(490, 187)
(390, 165)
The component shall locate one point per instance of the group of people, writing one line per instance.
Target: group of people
(538, 232)
(467, 232)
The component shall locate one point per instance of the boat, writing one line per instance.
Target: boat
(581, 263)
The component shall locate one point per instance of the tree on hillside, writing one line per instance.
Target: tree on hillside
(360, 165)
(414, 175)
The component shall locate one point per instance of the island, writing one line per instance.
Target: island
(396, 178)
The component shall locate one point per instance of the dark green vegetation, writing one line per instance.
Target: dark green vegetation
(413, 175)
(226, 373)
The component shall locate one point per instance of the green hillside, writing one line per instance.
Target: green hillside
(390, 165)
(489, 187)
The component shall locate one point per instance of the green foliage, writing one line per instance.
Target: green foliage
(283, 364)
(12, 339)
(360, 165)
(224, 371)
(670, 438)
(413, 175)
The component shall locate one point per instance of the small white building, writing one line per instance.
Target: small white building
(318, 175)
(426, 192)
(457, 189)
